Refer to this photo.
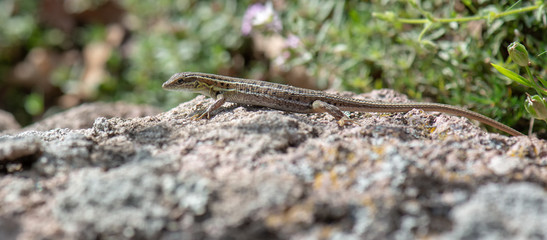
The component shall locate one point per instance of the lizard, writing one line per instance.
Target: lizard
(301, 100)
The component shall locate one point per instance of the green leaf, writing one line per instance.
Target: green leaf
(543, 82)
(34, 104)
(512, 75)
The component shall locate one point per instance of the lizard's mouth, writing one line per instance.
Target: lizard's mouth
(194, 87)
(179, 87)
(165, 85)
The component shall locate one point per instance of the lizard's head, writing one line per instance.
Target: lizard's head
(185, 81)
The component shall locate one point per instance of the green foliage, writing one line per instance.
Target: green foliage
(20, 27)
(513, 75)
(443, 56)
(196, 36)
(518, 54)
(535, 105)
(34, 104)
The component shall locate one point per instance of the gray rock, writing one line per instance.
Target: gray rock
(7, 121)
(256, 173)
(502, 211)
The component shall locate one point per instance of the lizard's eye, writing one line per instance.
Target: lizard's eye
(180, 80)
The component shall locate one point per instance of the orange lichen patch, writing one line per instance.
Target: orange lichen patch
(329, 179)
(335, 179)
(522, 149)
(379, 149)
(368, 202)
(331, 153)
(385, 114)
(451, 176)
(325, 232)
(318, 181)
(296, 214)
(516, 152)
(518, 176)
(335, 155)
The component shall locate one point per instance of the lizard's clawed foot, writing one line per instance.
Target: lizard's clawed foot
(345, 121)
(199, 116)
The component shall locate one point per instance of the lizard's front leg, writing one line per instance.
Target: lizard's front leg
(219, 101)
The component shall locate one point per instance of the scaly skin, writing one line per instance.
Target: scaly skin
(301, 100)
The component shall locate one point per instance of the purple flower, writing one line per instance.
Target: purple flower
(258, 15)
(282, 58)
(292, 41)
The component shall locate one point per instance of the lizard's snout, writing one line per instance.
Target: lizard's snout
(169, 83)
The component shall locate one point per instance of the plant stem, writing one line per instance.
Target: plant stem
(531, 79)
(467, 19)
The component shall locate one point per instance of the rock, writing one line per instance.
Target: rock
(502, 211)
(256, 173)
(83, 116)
(7, 121)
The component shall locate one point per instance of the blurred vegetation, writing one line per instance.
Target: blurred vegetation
(55, 54)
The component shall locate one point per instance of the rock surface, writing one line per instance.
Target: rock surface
(256, 173)
(84, 115)
(7, 121)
